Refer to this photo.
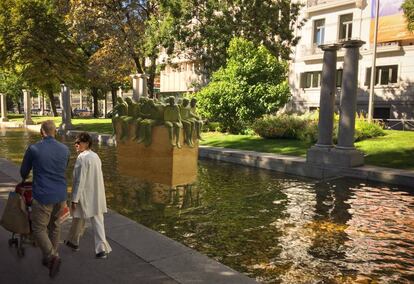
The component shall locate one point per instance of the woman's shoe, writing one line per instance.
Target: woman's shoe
(101, 255)
(71, 245)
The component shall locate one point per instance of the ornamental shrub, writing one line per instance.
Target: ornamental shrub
(251, 84)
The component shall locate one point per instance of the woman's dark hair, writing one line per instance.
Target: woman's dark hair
(84, 137)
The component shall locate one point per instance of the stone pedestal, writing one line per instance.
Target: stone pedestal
(139, 86)
(66, 108)
(27, 104)
(159, 162)
(3, 107)
(335, 156)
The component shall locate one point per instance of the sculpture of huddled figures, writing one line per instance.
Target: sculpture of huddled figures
(172, 120)
(153, 114)
(120, 110)
(132, 116)
(188, 125)
(198, 122)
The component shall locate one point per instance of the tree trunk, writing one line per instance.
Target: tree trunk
(151, 78)
(94, 93)
(52, 101)
(113, 96)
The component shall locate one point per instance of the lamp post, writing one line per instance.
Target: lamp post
(373, 68)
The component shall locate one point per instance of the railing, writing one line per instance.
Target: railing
(311, 3)
(397, 124)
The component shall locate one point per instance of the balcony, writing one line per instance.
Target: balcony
(320, 5)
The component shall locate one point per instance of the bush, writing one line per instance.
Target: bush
(365, 129)
(305, 127)
(282, 126)
(252, 83)
(212, 126)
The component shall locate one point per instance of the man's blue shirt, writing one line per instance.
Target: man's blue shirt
(48, 158)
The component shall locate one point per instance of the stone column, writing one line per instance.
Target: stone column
(348, 156)
(41, 104)
(349, 95)
(139, 86)
(66, 108)
(27, 108)
(327, 98)
(320, 153)
(80, 100)
(3, 108)
(119, 92)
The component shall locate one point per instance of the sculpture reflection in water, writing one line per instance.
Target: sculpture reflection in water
(154, 147)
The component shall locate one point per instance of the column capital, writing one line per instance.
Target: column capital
(139, 75)
(330, 46)
(356, 43)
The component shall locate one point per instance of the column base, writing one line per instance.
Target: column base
(334, 156)
(28, 122)
(3, 119)
(66, 126)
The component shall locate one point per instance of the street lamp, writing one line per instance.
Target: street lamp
(373, 68)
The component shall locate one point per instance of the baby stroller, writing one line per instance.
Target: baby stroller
(20, 207)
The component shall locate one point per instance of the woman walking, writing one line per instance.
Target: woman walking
(88, 197)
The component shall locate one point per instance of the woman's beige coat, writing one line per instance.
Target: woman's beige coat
(88, 188)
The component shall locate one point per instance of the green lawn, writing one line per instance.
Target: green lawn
(100, 125)
(394, 150)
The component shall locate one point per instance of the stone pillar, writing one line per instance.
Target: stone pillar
(66, 108)
(41, 104)
(320, 153)
(139, 86)
(27, 108)
(119, 92)
(327, 98)
(3, 108)
(349, 95)
(345, 150)
(80, 100)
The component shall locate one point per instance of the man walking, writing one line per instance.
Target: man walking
(48, 158)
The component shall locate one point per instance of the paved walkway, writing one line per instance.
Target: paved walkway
(139, 255)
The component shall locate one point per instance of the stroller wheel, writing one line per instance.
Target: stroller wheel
(13, 242)
(20, 252)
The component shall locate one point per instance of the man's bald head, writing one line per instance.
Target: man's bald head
(48, 128)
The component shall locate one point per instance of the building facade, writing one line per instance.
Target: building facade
(334, 21)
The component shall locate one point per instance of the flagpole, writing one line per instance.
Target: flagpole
(373, 68)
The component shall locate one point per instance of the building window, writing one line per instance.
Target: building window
(310, 79)
(382, 112)
(384, 75)
(345, 27)
(318, 31)
(339, 73)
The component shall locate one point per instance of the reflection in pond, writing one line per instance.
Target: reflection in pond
(277, 228)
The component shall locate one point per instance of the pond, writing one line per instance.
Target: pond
(272, 227)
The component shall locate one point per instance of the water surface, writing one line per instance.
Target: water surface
(274, 227)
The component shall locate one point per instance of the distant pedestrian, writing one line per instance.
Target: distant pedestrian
(88, 197)
(48, 158)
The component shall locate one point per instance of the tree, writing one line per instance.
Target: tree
(11, 84)
(35, 45)
(204, 28)
(252, 83)
(408, 8)
(135, 28)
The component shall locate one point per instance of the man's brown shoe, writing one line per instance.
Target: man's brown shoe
(54, 265)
